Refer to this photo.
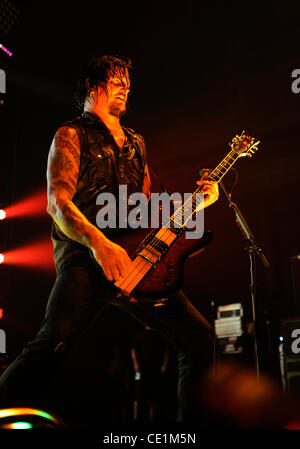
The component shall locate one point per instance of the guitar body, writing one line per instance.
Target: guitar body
(166, 276)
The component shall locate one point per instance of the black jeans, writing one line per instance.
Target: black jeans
(78, 296)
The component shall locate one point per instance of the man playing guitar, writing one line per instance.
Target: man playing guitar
(90, 154)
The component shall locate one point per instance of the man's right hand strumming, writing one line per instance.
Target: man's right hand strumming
(112, 258)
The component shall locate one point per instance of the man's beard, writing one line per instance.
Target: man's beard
(116, 111)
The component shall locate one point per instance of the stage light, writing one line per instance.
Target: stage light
(9, 53)
(1, 313)
(2, 214)
(37, 255)
(29, 418)
(34, 205)
(18, 425)
(1, 258)
(26, 411)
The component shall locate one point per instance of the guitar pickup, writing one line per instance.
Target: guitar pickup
(155, 244)
(150, 254)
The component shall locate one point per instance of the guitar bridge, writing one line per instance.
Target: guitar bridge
(147, 258)
(153, 257)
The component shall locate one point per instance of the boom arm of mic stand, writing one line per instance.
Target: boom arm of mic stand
(246, 231)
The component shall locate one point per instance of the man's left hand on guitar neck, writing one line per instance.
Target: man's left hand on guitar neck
(210, 189)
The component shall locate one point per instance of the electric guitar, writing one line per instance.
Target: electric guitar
(158, 260)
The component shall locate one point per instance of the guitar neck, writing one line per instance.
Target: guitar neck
(217, 174)
(193, 202)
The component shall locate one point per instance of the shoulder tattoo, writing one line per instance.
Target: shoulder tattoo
(64, 160)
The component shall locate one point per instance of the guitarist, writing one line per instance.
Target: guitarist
(91, 154)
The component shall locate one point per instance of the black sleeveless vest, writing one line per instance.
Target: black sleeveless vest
(102, 169)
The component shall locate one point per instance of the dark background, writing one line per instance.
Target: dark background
(203, 73)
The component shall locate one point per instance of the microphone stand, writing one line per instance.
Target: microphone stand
(253, 250)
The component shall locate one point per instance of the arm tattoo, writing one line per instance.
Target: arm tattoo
(64, 161)
(75, 221)
(62, 174)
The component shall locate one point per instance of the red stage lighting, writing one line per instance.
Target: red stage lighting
(34, 205)
(2, 214)
(1, 258)
(9, 53)
(1, 313)
(37, 255)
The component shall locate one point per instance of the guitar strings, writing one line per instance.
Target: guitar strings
(142, 263)
(193, 197)
(137, 269)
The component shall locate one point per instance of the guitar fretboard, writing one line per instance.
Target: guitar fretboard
(186, 211)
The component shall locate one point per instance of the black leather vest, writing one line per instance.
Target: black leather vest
(102, 169)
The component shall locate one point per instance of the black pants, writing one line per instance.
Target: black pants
(78, 297)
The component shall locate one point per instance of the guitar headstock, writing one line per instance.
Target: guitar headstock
(244, 145)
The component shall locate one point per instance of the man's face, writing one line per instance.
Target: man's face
(114, 101)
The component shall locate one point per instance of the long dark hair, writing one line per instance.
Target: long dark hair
(96, 73)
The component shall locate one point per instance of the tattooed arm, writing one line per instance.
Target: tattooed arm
(62, 174)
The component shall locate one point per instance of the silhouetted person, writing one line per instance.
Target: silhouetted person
(245, 345)
(150, 356)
